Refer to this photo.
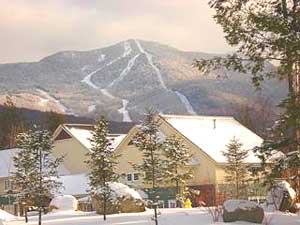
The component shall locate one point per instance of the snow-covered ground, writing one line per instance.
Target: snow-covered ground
(194, 216)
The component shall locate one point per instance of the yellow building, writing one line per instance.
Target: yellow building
(73, 142)
(205, 136)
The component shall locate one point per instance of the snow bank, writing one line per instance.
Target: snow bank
(5, 216)
(120, 190)
(233, 205)
(64, 203)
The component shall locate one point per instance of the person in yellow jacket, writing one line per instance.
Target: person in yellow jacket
(187, 203)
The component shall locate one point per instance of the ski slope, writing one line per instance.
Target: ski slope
(125, 71)
(186, 103)
(188, 106)
(88, 78)
(124, 111)
(150, 61)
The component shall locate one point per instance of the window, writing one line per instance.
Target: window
(135, 176)
(172, 203)
(129, 177)
(7, 185)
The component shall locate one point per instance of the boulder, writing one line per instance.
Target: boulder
(242, 210)
(123, 200)
(282, 197)
(64, 203)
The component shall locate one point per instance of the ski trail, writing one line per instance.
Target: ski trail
(106, 93)
(149, 58)
(182, 98)
(101, 57)
(125, 72)
(88, 78)
(124, 111)
(186, 103)
(91, 108)
(127, 49)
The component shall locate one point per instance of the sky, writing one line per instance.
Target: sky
(33, 29)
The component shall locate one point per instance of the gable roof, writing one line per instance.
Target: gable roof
(83, 134)
(212, 133)
(7, 163)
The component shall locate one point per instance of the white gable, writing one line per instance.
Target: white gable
(83, 135)
(212, 134)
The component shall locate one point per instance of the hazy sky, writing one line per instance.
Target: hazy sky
(32, 29)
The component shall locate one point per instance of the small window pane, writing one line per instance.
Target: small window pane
(136, 176)
(129, 177)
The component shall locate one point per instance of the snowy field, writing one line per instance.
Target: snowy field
(193, 216)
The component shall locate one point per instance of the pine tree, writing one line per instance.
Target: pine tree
(177, 158)
(102, 162)
(149, 141)
(36, 172)
(236, 170)
(53, 120)
(262, 31)
(10, 124)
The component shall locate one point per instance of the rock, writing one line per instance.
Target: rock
(242, 210)
(132, 205)
(123, 200)
(282, 197)
(64, 203)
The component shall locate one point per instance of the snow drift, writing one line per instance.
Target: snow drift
(64, 203)
(5, 216)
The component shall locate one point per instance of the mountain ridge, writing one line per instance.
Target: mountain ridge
(122, 80)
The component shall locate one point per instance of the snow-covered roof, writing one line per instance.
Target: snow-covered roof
(83, 133)
(7, 163)
(213, 133)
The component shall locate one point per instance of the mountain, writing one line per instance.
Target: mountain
(122, 80)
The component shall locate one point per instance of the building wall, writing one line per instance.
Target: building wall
(2, 186)
(204, 172)
(75, 155)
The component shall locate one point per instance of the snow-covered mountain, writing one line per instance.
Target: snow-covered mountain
(122, 80)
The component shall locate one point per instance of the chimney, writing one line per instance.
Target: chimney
(215, 124)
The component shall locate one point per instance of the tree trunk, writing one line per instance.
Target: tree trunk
(40, 215)
(177, 194)
(25, 214)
